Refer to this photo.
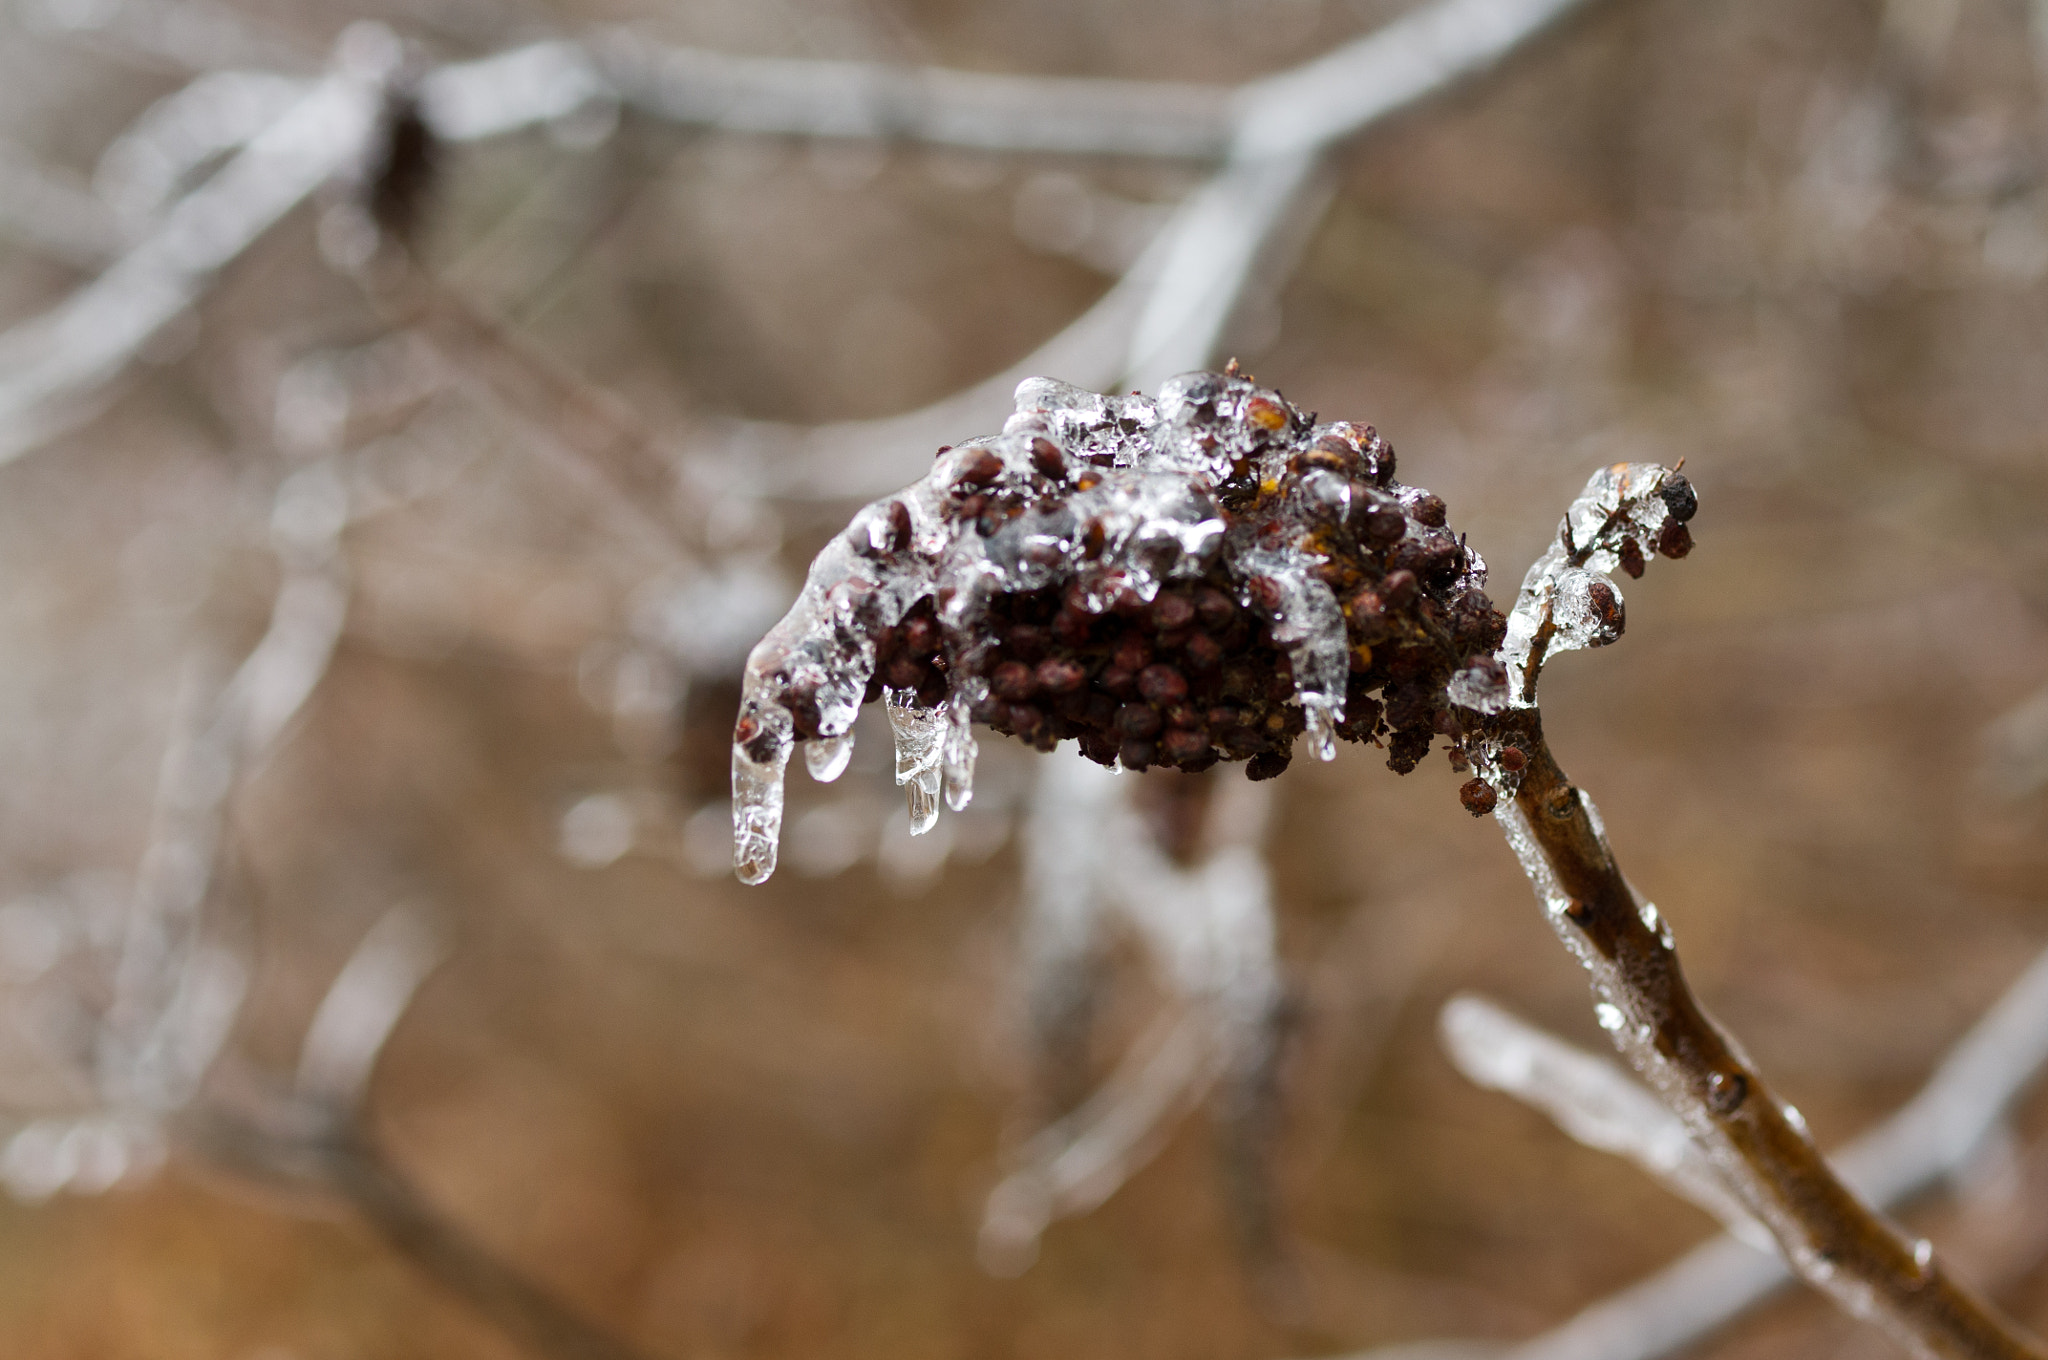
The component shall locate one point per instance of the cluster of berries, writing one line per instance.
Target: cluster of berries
(1171, 583)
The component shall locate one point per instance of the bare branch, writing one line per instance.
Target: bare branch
(1168, 315)
(363, 1005)
(976, 109)
(302, 1146)
(51, 367)
(1929, 1139)
(1171, 311)
(1758, 1142)
(1591, 1099)
(1208, 929)
(53, 214)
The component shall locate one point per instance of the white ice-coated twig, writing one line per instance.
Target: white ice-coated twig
(974, 109)
(1592, 1099)
(1092, 863)
(1168, 315)
(175, 988)
(1171, 311)
(192, 35)
(777, 96)
(144, 167)
(167, 1018)
(363, 1006)
(1929, 1139)
(54, 365)
(53, 214)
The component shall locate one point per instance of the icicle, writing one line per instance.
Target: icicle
(920, 742)
(958, 753)
(826, 757)
(757, 803)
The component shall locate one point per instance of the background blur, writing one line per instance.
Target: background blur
(1801, 243)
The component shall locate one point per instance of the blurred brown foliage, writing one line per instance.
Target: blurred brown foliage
(1801, 244)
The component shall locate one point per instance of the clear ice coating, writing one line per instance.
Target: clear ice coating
(827, 757)
(1215, 529)
(920, 750)
(1569, 600)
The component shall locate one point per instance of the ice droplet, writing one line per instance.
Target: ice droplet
(920, 742)
(826, 757)
(1795, 1119)
(1322, 730)
(1654, 922)
(1923, 1255)
(1609, 1016)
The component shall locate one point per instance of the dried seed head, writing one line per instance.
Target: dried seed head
(1157, 578)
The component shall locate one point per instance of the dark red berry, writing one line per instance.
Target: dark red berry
(1606, 605)
(1172, 611)
(1138, 720)
(1268, 764)
(1215, 608)
(1099, 747)
(1060, 675)
(981, 468)
(1679, 497)
(1478, 797)
(1132, 654)
(1182, 746)
(1118, 681)
(1013, 680)
(1047, 458)
(1675, 540)
(1027, 641)
(1162, 684)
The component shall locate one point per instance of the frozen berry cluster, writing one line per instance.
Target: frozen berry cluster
(1206, 575)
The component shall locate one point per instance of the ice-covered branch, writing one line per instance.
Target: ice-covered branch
(1591, 1099)
(53, 215)
(1930, 1138)
(192, 35)
(1171, 311)
(1207, 927)
(1758, 1143)
(1169, 314)
(53, 366)
(363, 1005)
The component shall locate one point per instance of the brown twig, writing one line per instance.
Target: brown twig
(1759, 1143)
(299, 1145)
